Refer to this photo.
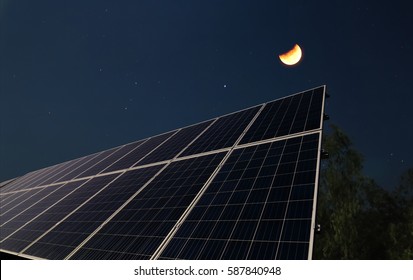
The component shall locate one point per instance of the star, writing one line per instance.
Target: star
(225, 86)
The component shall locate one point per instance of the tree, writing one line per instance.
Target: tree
(359, 219)
(339, 201)
(401, 225)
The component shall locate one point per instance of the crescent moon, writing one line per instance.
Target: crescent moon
(291, 57)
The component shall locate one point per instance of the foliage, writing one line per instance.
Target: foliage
(359, 219)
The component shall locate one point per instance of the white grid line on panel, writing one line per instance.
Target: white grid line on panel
(63, 172)
(280, 138)
(115, 212)
(58, 171)
(308, 110)
(289, 199)
(114, 151)
(163, 142)
(46, 209)
(168, 162)
(87, 161)
(143, 142)
(10, 184)
(30, 206)
(8, 210)
(171, 234)
(48, 172)
(13, 199)
(268, 194)
(15, 185)
(65, 217)
(256, 144)
(296, 112)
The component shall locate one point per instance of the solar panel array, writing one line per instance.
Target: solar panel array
(240, 186)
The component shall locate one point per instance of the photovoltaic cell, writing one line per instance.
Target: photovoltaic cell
(23, 181)
(294, 114)
(223, 133)
(137, 154)
(111, 158)
(37, 196)
(46, 175)
(9, 184)
(175, 144)
(54, 215)
(8, 197)
(23, 237)
(259, 206)
(7, 207)
(76, 169)
(137, 230)
(73, 164)
(65, 237)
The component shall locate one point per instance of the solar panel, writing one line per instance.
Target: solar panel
(223, 133)
(111, 158)
(175, 145)
(138, 153)
(297, 113)
(71, 231)
(54, 215)
(251, 203)
(139, 228)
(239, 186)
(22, 181)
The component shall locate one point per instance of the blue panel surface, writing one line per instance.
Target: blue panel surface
(259, 206)
(65, 237)
(137, 230)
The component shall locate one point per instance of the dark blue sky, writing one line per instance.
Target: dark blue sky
(77, 77)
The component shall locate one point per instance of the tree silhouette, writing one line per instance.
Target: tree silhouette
(359, 219)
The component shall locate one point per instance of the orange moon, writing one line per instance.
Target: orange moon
(291, 57)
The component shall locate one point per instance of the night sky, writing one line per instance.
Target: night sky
(78, 77)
